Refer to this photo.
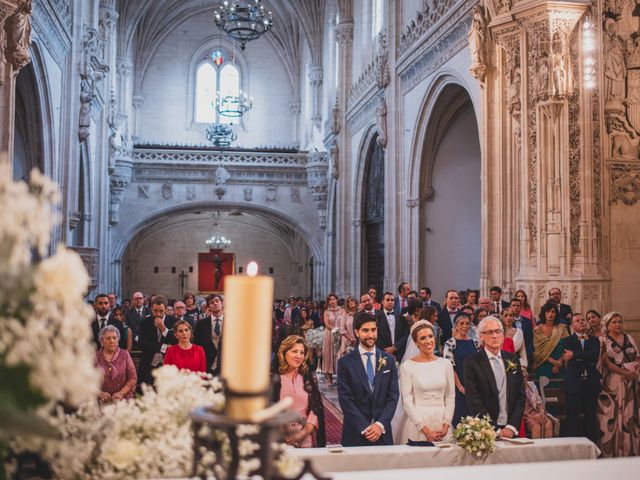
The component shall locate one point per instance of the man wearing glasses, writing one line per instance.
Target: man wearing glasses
(493, 381)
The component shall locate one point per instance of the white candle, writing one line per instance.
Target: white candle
(246, 342)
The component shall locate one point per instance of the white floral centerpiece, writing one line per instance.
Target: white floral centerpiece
(46, 355)
(315, 336)
(476, 435)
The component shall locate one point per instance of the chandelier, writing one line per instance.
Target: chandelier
(243, 20)
(221, 135)
(218, 242)
(233, 105)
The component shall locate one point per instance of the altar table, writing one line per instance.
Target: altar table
(373, 458)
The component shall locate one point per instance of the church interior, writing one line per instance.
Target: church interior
(348, 144)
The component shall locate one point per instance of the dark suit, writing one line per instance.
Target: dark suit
(503, 305)
(360, 405)
(203, 336)
(95, 328)
(150, 344)
(134, 319)
(446, 325)
(433, 304)
(401, 333)
(482, 393)
(582, 385)
(565, 313)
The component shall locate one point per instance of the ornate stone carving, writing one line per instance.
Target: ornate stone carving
(334, 126)
(248, 194)
(334, 153)
(271, 193)
(344, 33)
(381, 121)
(92, 71)
(315, 80)
(167, 190)
(221, 176)
(382, 62)
(425, 19)
(3, 48)
(108, 19)
(118, 180)
(318, 183)
(294, 195)
(84, 117)
(614, 68)
(478, 40)
(91, 259)
(74, 219)
(18, 36)
(143, 191)
(191, 156)
(413, 202)
(625, 183)
(190, 193)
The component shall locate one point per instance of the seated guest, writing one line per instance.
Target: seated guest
(478, 315)
(456, 350)
(594, 323)
(489, 371)
(192, 313)
(537, 421)
(618, 410)
(305, 322)
(297, 382)
(547, 343)
(117, 317)
(119, 380)
(581, 378)
(185, 355)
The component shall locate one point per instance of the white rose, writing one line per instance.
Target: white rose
(123, 453)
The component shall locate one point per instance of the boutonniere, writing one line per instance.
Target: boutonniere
(512, 367)
(382, 362)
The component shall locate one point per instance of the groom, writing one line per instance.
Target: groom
(493, 381)
(367, 388)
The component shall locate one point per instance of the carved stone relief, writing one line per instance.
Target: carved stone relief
(625, 184)
(143, 191)
(478, 41)
(191, 193)
(271, 193)
(294, 195)
(167, 191)
(248, 194)
(221, 176)
(381, 121)
(18, 35)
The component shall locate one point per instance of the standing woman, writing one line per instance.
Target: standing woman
(126, 342)
(456, 349)
(525, 310)
(547, 343)
(333, 316)
(297, 382)
(348, 336)
(618, 408)
(185, 355)
(516, 336)
(192, 314)
(594, 323)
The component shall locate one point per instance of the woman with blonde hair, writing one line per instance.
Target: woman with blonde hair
(297, 382)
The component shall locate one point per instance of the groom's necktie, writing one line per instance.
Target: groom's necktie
(371, 374)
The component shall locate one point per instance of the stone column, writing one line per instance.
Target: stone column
(315, 76)
(15, 40)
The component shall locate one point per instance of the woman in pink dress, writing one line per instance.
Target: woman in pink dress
(347, 335)
(525, 310)
(185, 355)
(297, 382)
(333, 316)
(119, 374)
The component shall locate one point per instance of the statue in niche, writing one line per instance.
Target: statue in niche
(559, 74)
(541, 80)
(221, 176)
(18, 28)
(335, 118)
(477, 37)
(334, 152)
(381, 121)
(84, 118)
(513, 90)
(614, 68)
(624, 140)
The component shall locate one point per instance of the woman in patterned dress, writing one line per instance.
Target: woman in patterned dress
(333, 317)
(618, 410)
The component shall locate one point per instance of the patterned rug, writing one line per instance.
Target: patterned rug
(332, 421)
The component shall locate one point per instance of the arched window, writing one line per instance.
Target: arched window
(214, 76)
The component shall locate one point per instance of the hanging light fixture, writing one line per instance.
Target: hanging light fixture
(220, 135)
(218, 242)
(233, 105)
(243, 20)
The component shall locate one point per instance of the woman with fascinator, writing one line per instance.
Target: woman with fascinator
(427, 389)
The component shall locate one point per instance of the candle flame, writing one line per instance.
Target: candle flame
(252, 269)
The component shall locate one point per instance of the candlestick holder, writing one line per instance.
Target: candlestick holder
(228, 447)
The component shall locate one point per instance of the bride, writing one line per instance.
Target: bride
(427, 390)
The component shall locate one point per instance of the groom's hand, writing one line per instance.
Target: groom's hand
(373, 432)
(506, 433)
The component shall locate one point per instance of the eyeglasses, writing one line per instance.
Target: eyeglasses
(497, 331)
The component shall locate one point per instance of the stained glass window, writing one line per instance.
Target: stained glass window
(215, 75)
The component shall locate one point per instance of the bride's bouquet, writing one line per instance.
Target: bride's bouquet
(476, 435)
(315, 336)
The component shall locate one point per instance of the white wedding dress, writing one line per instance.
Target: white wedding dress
(427, 392)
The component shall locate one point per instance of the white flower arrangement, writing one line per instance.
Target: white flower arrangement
(476, 435)
(315, 337)
(46, 354)
(147, 437)
(336, 337)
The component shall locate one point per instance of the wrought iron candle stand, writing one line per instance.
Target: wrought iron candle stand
(217, 433)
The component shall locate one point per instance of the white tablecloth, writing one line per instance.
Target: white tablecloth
(399, 457)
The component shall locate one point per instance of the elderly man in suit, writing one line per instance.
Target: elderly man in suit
(367, 388)
(564, 310)
(493, 381)
(581, 378)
